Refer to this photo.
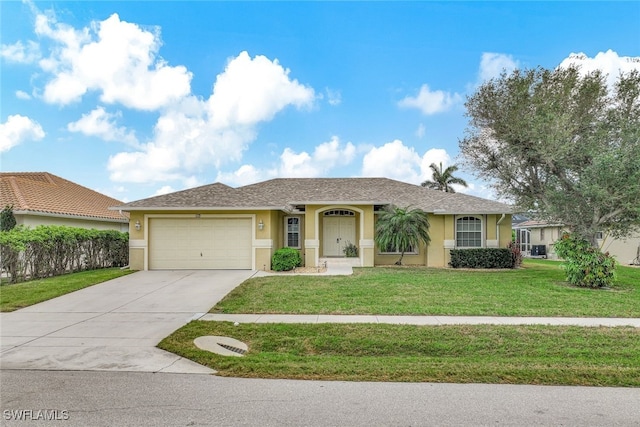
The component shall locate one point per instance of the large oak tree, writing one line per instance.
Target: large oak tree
(562, 145)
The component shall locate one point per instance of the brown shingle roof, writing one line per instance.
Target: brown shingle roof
(42, 192)
(537, 224)
(284, 193)
(214, 196)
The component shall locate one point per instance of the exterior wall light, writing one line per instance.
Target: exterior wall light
(260, 225)
(138, 226)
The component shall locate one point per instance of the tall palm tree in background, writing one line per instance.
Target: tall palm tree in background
(400, 229)
(443, 179)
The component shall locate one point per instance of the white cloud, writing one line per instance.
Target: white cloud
(191, 181)
(192, 133)
(608, 62)
(103, 125)
(421, 131)
(120, 62)
(20, 53)
(254, 90)
(334, 97)
(245, 175)
(431, 102)
(154, 164)
(165, 189)
(116, 58)
(18, 129)
(325, 157)
(392, 160)
(493, 64)
(398, 161)
(297, 165)
(20, 94)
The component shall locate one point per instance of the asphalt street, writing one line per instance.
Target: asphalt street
(163, 399)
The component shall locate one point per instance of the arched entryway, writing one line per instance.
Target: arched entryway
(339, 230)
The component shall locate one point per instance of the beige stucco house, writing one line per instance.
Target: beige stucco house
(220, 227)
(41, 198)
(530, 234)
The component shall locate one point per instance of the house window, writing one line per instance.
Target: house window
(468, 232)
(542, 234)
(292, 226)
(599, 235)
(339, 212)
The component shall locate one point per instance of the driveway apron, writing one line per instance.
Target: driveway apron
(115, 325)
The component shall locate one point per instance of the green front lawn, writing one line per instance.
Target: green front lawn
(461, 354)
(20, 295)
(537, 289)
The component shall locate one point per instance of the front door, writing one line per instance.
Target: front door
(338, 232)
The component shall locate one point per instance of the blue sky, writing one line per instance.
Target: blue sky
(135, 99)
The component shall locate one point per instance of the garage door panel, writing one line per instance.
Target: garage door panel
(205, 243)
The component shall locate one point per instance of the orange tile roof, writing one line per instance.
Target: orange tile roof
(42, 192)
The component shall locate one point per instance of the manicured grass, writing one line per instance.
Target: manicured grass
(537, 289)
(460, 354)
(19, 295)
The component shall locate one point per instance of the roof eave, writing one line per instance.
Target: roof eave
(480, 212)
(340, 202)
(195, 208)
(122, 220)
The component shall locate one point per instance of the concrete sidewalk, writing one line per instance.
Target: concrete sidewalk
(422, 320)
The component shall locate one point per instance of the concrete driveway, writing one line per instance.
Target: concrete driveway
(114, 326)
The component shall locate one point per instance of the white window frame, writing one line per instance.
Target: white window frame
(298, 232)
(482, 222)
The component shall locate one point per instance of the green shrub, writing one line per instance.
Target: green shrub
(584, 264)
(52, 250)
(516, 254)
(350, 250)
(482, 258)
(7, 219)
(286, 259)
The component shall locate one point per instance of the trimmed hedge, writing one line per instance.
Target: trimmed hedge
(286, 259)
(482, 258)
(52, 250)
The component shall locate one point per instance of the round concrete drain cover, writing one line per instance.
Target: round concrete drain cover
(223, 346)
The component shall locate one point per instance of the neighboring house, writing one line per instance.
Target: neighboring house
(41, 198)
(530, 234)
(220, 227)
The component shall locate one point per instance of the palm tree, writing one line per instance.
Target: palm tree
(399, 229)
(442, 180)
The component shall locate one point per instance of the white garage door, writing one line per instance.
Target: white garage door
(199, 243)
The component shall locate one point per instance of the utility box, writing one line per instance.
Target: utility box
(539, 250)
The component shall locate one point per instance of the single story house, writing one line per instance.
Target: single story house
(219, 227)
(41, 198)
(532, 234)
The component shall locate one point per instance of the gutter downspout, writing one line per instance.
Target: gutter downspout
(498, 227)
